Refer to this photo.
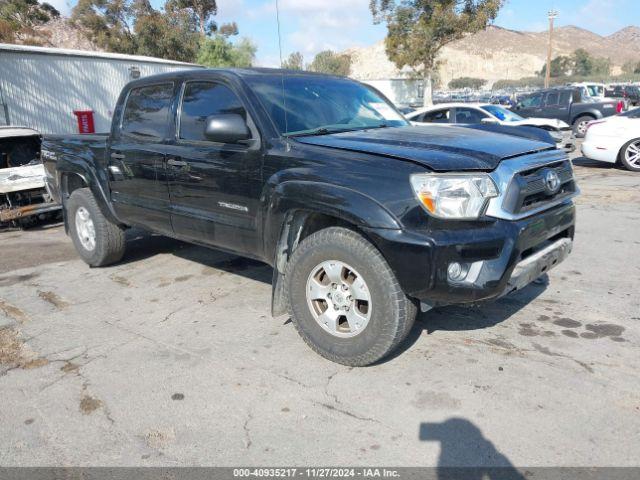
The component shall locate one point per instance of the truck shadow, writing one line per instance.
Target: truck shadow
(456, 318)
(465, 453)
(142, 245)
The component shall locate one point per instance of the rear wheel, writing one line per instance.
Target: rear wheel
(630, 155)
(345, 301)
(580, 125)
(98, 241)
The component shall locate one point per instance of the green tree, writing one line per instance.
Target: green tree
(201, 10)
(218, 51)
(631, 68)
(561, 66)
(332, 63)
(18, 18)
(467, 82)
(108, 23)
(584, 64)
(170, 35)
(418, 29)
(228, 29)
(295, 61)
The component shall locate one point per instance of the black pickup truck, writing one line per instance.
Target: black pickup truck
(566, 104)
(364, 217)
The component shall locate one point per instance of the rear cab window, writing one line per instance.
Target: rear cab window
(146, 112)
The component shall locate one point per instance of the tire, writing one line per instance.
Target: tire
(579, 126)
(630, 155)
(108, 238)
(390, 313)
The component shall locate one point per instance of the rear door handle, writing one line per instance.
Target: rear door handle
(117, 156)
(176, 163)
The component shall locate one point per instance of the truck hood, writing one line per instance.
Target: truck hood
(437, 147)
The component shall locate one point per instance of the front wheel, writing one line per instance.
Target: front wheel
(580, 126)
(98, 241)
(630, 155)
(345, 301)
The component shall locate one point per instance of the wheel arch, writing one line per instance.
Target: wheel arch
(588, 113)
(71, 178)
(624, 146)
(299, 209)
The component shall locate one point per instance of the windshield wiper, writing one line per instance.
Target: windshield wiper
(318, 131)
(327, 131)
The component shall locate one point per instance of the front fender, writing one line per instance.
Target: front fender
(316, 197)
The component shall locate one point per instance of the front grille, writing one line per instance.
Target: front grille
(528, 190)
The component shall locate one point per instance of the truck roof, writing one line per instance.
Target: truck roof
(235, 72)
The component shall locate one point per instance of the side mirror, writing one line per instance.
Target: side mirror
(491, 121)
(226, 128)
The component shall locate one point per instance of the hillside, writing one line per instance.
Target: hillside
(60, 33)
(497, 53)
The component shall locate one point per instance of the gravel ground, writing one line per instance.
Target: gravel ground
(171, 358)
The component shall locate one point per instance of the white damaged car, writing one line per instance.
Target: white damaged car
(615, 140)
(23, 193)
(487, 113)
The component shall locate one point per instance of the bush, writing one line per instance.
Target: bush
(467, 82)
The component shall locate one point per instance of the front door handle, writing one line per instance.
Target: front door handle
(117, 156)
(176, 163)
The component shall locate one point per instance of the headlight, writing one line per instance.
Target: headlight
(456, 197)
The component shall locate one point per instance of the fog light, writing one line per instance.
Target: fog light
(457, 272)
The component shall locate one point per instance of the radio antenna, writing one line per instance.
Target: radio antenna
(284, 98)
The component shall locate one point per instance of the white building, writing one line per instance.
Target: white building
(41, 88)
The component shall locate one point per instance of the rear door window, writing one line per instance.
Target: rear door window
(532, 101)
(201, 100)
(146, 113)
(565, 98)
(439, 116)
(553, 99)
(469, 115)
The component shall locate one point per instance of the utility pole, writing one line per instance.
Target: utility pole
(553, 14)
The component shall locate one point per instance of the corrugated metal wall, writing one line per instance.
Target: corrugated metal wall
(41, 91)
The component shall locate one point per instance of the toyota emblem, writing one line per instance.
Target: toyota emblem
(551, 182)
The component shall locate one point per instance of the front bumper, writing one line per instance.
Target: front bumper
(536, 265)
(500, 255)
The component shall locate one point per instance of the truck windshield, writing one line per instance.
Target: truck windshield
(317, 105)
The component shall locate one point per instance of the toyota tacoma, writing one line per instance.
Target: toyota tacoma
(364, 217)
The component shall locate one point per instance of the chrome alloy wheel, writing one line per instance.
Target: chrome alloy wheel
(582, 127)
(632, 154)
(339, 299)
(85, 229)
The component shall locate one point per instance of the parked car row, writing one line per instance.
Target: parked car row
(631, 93)
(567, 104)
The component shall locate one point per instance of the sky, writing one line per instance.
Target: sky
(310, 26)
